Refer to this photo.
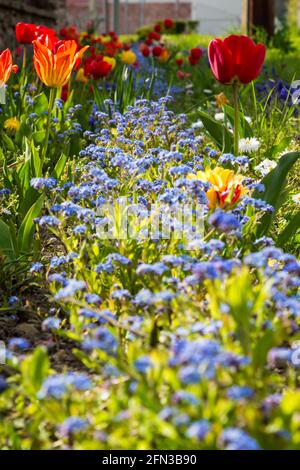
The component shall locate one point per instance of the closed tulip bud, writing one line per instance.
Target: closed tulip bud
(145, 50)
(25, 33)
(236, 59)
(196, 53)
(156, 51)
(154, 36)
(168, 23)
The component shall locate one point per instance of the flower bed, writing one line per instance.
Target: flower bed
(148, 255)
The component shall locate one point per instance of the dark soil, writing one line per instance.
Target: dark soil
(25, 321)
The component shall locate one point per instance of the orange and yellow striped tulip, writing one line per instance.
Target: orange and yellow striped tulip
(54, 62)
(6, 66)
(226, 187)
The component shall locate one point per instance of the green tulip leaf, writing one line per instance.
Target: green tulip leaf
(217, 131)
(275, 184)
(290, 230)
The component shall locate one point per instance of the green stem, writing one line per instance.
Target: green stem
(48, 125)
(235, 88)
(24, 61)
(23, 81)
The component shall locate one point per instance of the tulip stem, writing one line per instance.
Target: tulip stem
(235, 88)
(24, 61)
(48, 125)
(23, 81)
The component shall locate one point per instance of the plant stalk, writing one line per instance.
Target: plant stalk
(48, 126)
(23, 81)
(235, 88)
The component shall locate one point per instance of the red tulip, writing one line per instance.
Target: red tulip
(101, 68)
(153, 35)
(65, 92)
(42, 31)
(96, 68)
(92, 52)
(63, 32)
(87, 66)
(168, 23)
(193, 61)
(179, 62)
(156, 51)
(25, 33)
(145, 50)
(237, 59)
(157, 28)
(196, 53)
(69, 33)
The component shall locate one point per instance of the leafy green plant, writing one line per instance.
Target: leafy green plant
(217, 131)
(275, 194)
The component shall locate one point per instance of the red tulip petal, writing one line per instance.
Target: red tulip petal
(221, 62)
(241, 48)
(254, 64)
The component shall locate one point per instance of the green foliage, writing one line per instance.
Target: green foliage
(179, 27)
(217, 131)
(7, 240)
(290, 230)
(243, 299)
(34, 370)
(275, 190)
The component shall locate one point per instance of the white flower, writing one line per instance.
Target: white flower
(296, 199)
(249, 145)
(197, 125)
(189, 86)
(248, 119)
(219, 116)
(265, 167)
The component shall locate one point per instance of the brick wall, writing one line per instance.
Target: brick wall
(77, 13)
(131, 17)
(47, 12)
(132, 14)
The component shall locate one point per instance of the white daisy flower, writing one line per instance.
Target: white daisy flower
(219, 116)
(249, 145)
(296, 199)
(265, 167)
(197, 125)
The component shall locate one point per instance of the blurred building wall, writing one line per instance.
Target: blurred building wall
(47, 12)
(133, 13)
(217, 17)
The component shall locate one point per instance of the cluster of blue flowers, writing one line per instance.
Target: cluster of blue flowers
(157, 318)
